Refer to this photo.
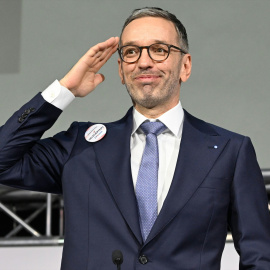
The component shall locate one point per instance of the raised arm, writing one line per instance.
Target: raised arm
(22, 154)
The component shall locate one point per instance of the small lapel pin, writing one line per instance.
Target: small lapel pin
(214, 147)
(95, 133)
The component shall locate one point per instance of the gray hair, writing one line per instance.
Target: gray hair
(158, 12)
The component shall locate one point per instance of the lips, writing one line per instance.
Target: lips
(147, 77)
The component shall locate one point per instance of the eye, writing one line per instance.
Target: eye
(159, 49)
(130, 51)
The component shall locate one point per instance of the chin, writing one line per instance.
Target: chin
(145, 97)
(148, 103)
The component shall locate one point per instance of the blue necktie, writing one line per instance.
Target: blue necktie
(147, 181)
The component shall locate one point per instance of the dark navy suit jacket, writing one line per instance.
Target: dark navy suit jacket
(217, 181)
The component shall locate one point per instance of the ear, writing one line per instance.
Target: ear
(186, 66)
(120, 70)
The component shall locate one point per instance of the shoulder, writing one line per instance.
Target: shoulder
(78, 129)
(211, 129)
(125, 120)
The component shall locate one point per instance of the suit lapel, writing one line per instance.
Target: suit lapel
(113, 155)
(196, 158)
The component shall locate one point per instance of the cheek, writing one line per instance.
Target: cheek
(128, 70)
(166, 67)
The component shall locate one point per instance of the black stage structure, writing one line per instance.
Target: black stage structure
(31, 218)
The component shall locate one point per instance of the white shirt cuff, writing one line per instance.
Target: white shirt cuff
(58, 95)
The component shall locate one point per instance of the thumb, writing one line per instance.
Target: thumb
(99, 78)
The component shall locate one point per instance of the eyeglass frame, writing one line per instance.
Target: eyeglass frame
(119, 49)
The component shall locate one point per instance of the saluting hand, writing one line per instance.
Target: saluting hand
(83, 77)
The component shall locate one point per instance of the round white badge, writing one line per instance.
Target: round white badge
(95, 133)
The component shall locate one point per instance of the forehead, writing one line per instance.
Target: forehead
(148, 29)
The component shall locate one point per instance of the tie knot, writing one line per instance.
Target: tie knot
(153, 127)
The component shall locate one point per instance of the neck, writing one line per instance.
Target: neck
(155, 112)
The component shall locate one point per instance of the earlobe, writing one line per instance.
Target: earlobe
(185, 68)
(120, 71)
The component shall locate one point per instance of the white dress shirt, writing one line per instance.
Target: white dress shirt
(168, 141)
(168, 144)
(58, 95)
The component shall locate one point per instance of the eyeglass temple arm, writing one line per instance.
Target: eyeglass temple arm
(182, 51)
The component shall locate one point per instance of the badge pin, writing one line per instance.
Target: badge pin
(95, 133)
(215, 147)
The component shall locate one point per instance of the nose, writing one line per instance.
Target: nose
(145, 61)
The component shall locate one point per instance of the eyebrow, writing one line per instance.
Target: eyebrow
(135, 43)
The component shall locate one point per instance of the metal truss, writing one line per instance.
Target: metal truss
(13, 200)
(11, 196)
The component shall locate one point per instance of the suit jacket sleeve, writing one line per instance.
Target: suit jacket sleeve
(25, 160)
(248, 216)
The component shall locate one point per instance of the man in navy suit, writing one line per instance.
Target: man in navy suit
(208, 177)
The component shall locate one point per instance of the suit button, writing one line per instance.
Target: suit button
(143, 259)
(20, 119)
(27, 111)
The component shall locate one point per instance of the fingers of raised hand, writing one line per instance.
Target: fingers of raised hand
(109, 44)
(98, 55)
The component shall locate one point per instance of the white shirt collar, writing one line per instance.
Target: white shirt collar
(173, 119)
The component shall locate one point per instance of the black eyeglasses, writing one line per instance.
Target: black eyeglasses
(157, 52)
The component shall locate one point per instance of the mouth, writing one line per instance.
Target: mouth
(147, 78)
